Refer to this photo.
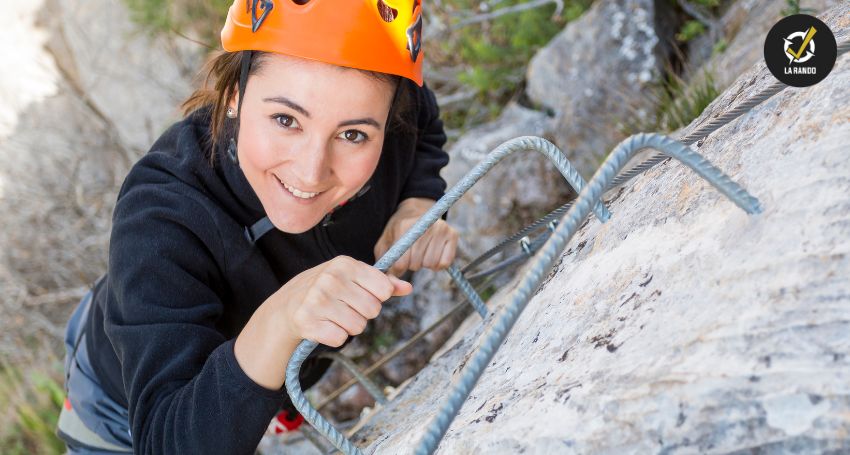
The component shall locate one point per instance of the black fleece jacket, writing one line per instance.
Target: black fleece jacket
(183, 280)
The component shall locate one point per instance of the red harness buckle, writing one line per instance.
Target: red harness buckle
(282, 423)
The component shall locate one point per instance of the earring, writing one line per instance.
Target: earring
(231, 113)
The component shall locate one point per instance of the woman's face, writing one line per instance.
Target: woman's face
(310, 136)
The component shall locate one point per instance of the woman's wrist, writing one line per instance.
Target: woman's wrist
(263, 350)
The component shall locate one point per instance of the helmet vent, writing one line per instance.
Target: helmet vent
(388, 14)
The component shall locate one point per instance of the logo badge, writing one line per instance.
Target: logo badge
(800, 50)
(414, 37)
(265, 5)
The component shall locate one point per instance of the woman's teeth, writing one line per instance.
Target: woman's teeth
(298, 193)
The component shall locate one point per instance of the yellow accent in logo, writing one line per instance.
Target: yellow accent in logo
(799, 53)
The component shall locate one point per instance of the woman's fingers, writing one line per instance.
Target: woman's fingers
(433, 253)
(418, 250)
(362, 302)
(439, 252)
(400, 286)
(367, 288)
(328, 333)
(434, 250)
(370, 279)
(447, 255)
(346, 317)
(402, 264)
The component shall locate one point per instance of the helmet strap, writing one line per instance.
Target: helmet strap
(393, 103)
(243, 78)
(243, 82)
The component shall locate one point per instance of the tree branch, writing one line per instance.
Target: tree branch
(508, 10)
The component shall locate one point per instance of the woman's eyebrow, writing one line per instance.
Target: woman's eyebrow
(292, 104)
(288, 102)
(361, 121)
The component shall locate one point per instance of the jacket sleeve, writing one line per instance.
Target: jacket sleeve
(424, 180)
(186, 392)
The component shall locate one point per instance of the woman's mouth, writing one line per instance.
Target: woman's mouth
(303, 195)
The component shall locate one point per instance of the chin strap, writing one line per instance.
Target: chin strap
(243, 82)
(258, 229)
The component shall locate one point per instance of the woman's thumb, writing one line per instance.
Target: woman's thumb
(400, 287)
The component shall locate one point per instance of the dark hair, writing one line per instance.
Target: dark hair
(221, 79)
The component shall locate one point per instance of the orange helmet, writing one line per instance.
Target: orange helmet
(375, 35)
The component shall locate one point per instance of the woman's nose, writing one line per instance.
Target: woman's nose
(312, 167)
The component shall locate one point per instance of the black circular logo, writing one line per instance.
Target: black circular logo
(800, 50)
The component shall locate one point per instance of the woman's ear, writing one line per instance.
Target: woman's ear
(233, 104)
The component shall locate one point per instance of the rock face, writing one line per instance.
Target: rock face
(682, 325)
(96, 97)
(594, 75)
(523, 183)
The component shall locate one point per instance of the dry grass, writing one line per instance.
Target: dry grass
(60, 174)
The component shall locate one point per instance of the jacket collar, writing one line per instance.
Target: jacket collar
(238, 184)
(242, 201)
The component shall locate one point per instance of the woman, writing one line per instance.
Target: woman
(251, 225)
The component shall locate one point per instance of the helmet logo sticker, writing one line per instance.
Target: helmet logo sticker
(265, 5)
(414, 37)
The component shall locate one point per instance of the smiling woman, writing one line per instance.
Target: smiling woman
(306, 149)
(250, 226)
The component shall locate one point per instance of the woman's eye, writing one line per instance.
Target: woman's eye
(286, 121)
(354, 136)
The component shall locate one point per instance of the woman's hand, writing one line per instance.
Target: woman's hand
(324, 304)
(434, 250)
(333, 300)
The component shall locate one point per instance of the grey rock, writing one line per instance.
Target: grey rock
(131, 78)
(104, 91)
(683, 325)
(516, 190)
(594, 76)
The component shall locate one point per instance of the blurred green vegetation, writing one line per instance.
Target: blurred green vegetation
(696, 26)
(199, 19)
(795, 7)
(493, 54)
(690, 30)
(680, 101)
(34, 400)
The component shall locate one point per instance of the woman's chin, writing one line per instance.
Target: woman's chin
(294, 225)
(294, 217)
